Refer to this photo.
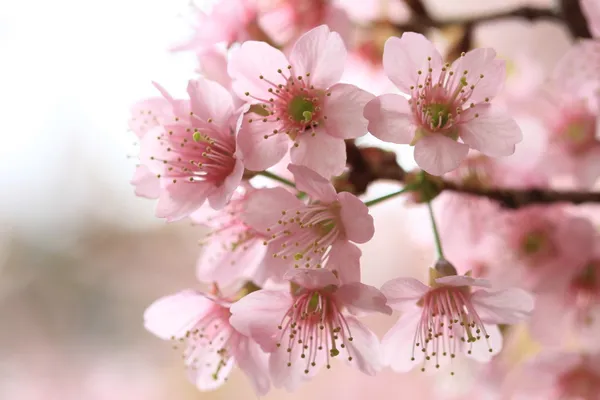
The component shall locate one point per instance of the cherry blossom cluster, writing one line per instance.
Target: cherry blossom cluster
(256, 152)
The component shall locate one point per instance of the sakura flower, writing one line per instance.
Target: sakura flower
(212, 347)
(573, 149)
(194, 155)
(557, 376)
(230, 21)
(304, 330)
(447, 318)
(538, 247)
(298, 99)
(313, 235)
(232, 250)
(447, 102)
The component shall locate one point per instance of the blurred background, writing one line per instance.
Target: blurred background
(80, 256)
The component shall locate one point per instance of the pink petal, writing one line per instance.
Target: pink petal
(461, 280)
(313, 184)
(390, 119)
(210, 101)
(358, 223)
(438, 154)
(579, 67)
(322, 153)
(181, 199)
(258, 315)
(551, 319)
(264, 207)
(312, 278)
(175, 315)
(403, 57)
(289, 377)
(146, 183)
(591, 10)
(251, 61)
(259, 153)
(480, 350)
(344, 110)
(148, 113)
(478, 62)
(254, 363)
(364, 347)
(587, 169)
(222, 194)
(494, 134)
(403, 292)
(204, 377)
(508, 306)
(213, 65)
(321, 54)
(360, 297)
(344, 261)
(397, 346)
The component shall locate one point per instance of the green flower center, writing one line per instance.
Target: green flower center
(439, 113)
(533, 242)
(300, 109)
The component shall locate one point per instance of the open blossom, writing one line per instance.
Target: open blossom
(313, 235)
(193, 156)
(556, 376)
(298, 100)
(447, 102)
(306, 329)
(538, 247)
(445, 319)
(211, 346)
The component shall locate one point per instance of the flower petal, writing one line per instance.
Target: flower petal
(287, 369)
(482, 71)
(402, 292)
(344, 261)
(360, 297)
(254, 363)
(210, 101)
(259, 153)
(312, 278)
(404, 57)
(480, 350)
(181, 199)
(358, 223)
(251, 61)
(343, 107)
(591, 9)
(508, 306)
(438, 154)
(390, 119)
(364, 348)
(146, 183)
(461, 280)
(175, 315)
(204, 377)
(322, 153)
(320, 53)
(494, 134)
(397, 345)
(222, 194)
(264, 207)
(313, 184)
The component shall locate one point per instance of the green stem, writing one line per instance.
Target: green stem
(438, 241)
(277, 178)
(387, 196)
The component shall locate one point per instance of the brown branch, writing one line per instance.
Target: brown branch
(368, 164)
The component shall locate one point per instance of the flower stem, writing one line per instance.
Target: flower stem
(277, 178)
(436, 234)
(387, 196)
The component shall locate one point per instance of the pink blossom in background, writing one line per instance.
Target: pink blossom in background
(194, 156)
(299, 100)
(591, 10)
(557, 376)
(447, 102)
(211, 347)
(440, 321)
(314, 235)
(308, 328)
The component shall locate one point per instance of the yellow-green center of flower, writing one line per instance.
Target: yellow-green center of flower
(533, 242)
(301, 109)
(439, 113)
(577, 132)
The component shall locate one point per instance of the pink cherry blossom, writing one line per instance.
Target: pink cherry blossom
(556, 376)
(591, 10)
(573, 149)
(229, 21)
(538, 247)
(232, 250)
(194, 155)
(304, 330)
(447, 102)
(298, 99)
(447, 318)
(211, 346)
(313, 235)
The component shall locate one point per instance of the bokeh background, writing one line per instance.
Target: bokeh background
(81, 257)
